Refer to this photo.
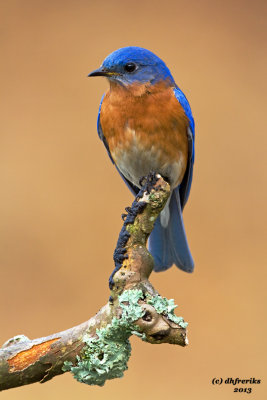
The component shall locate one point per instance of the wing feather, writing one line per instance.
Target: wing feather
(185, 186)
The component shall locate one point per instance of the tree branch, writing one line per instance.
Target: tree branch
(99, 349)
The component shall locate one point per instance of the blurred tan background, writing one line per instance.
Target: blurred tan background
(61, 198)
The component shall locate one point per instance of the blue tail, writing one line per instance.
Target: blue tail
(168, 245)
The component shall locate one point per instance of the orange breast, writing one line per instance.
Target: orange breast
(146, 122)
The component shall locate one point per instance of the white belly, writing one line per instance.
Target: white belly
(138, 162)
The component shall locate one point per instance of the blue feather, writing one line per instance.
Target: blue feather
(180, 96)
(185, 186)
(155, 69)
(169, 245)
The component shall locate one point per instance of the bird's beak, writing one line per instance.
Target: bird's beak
(102, 72)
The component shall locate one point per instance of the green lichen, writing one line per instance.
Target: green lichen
(153, 197)
(129, 303)
(106, 355)
(167, 307)
(132, 229)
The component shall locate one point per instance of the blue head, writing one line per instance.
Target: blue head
(134, 65)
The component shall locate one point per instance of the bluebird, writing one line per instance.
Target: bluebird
(146, 125)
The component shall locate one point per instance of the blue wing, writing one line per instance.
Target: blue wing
(185, 186)
(132, 187)
(169, 245)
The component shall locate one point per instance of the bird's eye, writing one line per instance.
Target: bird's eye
(130, 67)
